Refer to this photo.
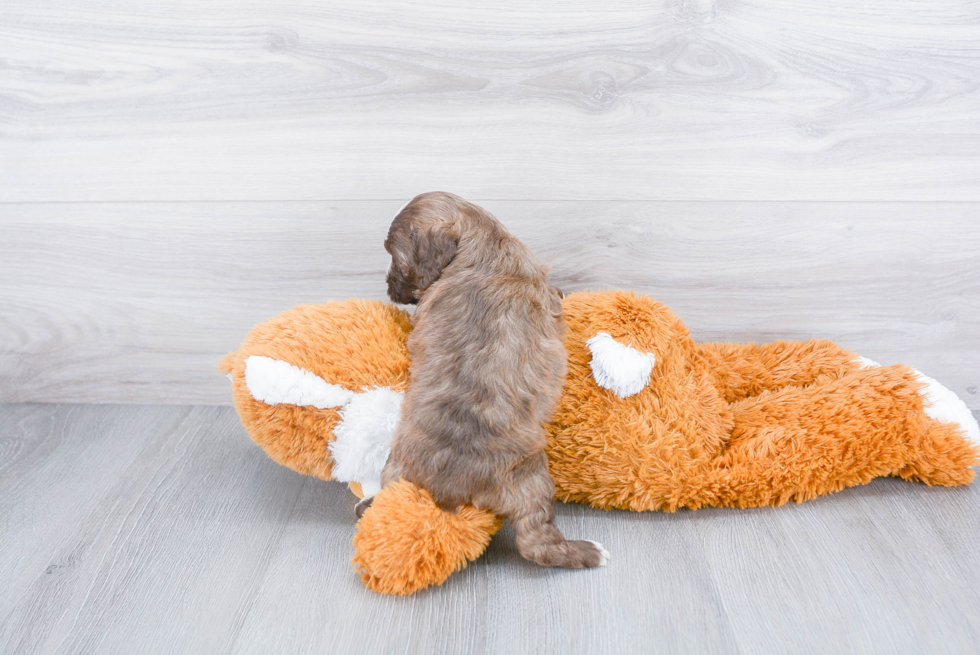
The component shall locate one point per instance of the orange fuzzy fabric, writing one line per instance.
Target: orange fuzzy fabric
(733, 424)
(723, 424)
(405, 543)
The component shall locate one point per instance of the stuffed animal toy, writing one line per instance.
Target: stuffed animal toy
(648, 420)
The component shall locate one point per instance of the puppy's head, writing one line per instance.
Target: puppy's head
(422, 241)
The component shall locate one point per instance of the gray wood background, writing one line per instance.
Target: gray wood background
(133, 302)
(171, 174)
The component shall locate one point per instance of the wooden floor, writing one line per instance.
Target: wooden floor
(163, 529)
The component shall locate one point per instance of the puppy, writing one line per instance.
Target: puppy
(487, 368)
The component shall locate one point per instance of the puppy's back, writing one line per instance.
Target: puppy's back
(488, 364)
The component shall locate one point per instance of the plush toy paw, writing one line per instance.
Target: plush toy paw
(405, 543)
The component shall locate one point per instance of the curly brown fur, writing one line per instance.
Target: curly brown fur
(487, 368)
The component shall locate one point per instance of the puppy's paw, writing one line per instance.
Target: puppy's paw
(586, 554)
(603, 553)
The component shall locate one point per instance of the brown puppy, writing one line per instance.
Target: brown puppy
(488, 364)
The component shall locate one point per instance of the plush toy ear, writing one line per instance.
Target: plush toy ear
(405, 543)
(622, 369)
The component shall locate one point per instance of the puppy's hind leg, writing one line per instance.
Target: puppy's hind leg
(539, 541)
(531, 512)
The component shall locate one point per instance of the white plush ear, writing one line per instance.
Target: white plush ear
(276, 382)
(624, 370)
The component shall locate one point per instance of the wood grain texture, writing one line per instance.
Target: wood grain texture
(664, 100)
(164, 530)
(133, 529)
(136, 302)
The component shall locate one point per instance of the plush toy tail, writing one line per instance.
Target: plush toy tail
(405, 543)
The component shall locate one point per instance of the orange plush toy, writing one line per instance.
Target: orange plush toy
(648, 420)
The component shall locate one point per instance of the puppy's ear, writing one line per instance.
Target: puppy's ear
(435, 248)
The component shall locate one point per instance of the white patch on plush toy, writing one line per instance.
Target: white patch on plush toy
(867, 363)
(275, 382)
(363, 437)
(946, 407)
(624, 370)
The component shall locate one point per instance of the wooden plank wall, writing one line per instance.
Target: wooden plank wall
(172, 173)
